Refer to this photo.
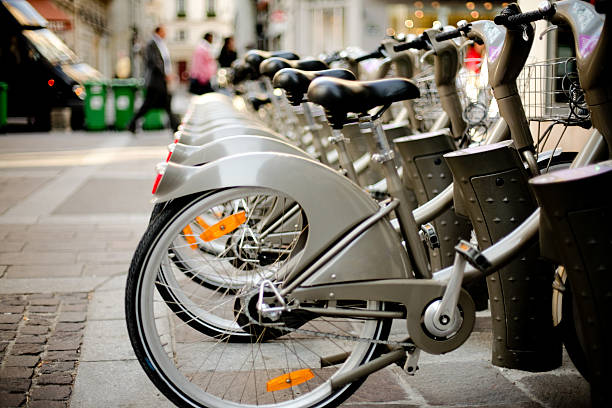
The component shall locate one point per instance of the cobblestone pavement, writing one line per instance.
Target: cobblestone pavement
(41, 338)
(72, 209)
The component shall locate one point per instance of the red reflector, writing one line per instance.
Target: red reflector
(156, 184)
(51, 82)
(168, 158)
(176, 140)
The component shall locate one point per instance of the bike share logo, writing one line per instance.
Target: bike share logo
(495, 36)
(589, 25)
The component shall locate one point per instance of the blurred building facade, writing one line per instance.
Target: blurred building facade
(83, 25)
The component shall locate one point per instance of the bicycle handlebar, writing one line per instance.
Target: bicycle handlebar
(417, 44)
(449, 35)
(375, 54)
(512, 20)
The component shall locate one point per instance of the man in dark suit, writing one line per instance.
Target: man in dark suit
(158, 69)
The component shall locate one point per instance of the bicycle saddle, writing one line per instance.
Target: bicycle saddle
(241, 71)
(272, 65)
(339, 96)
(255, 57)
(295, 82)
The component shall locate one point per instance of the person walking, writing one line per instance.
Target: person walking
(203, 67)
(158, 71)
(228, 53)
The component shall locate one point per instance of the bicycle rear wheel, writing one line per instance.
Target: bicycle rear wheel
(233, 363)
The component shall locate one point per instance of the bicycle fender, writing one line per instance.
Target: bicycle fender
(333, 205)
(194, 155)
(200, 138)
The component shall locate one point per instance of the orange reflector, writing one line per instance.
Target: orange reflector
(202, 223)
(225, 226)
(289, 380)
(188, 233)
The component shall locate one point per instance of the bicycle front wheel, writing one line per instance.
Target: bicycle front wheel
(285, 366)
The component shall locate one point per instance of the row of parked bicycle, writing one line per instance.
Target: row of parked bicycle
(296, 219)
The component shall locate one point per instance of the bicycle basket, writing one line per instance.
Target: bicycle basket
(550, 91)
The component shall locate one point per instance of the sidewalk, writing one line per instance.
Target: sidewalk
(72, 209)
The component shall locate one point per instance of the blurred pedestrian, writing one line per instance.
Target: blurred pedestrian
(228, 53)
(158, 72)
(203, 67)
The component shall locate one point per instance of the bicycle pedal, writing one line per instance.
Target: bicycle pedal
(429, 236)
(411, 365)
(473, 256)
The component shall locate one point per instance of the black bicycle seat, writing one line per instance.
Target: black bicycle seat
(271, 66)
(255, 57)
(295, 82)
(339, 96)
(241, 71)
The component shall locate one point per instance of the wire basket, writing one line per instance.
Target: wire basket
(550, 91)
(427, 107)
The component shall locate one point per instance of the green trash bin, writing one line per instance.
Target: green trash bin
(154, 119)
(3, 103)
(95, 105)
(124, 91)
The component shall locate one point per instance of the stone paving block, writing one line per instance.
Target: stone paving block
(44, 301)
(36, 258)
(49, 367)
(7, 335)
(107, 306)
(37, 320)
(105, 270)
(69, 327)
(16, 372)
(56, 378)
(3, 346)
(51, 392)
(31, 339)
(48, 404)
(10, 318)
(11, 400)
(25, 349)
(42, 309)
(23, 236)
(382, 386)
(77, 307)
(44, 271)
(123, 245)
(106, 340)
(72, 245)
(74, 298)
(11, 309)
(62, 356)
(465, 383)
(21, 385)
(34, 330)
(9, 326)
(115, 257)
(15, 246)
(13, 300)
(72, 317)
(40, 296)
(64, 341)
(124, 381)
(560, 391)
(106, 236)
(114, 283)
(49, 285)
(21, 361)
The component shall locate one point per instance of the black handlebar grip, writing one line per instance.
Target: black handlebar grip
(523, 18)
(417, 44)
(448, 35)
(375, 54)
